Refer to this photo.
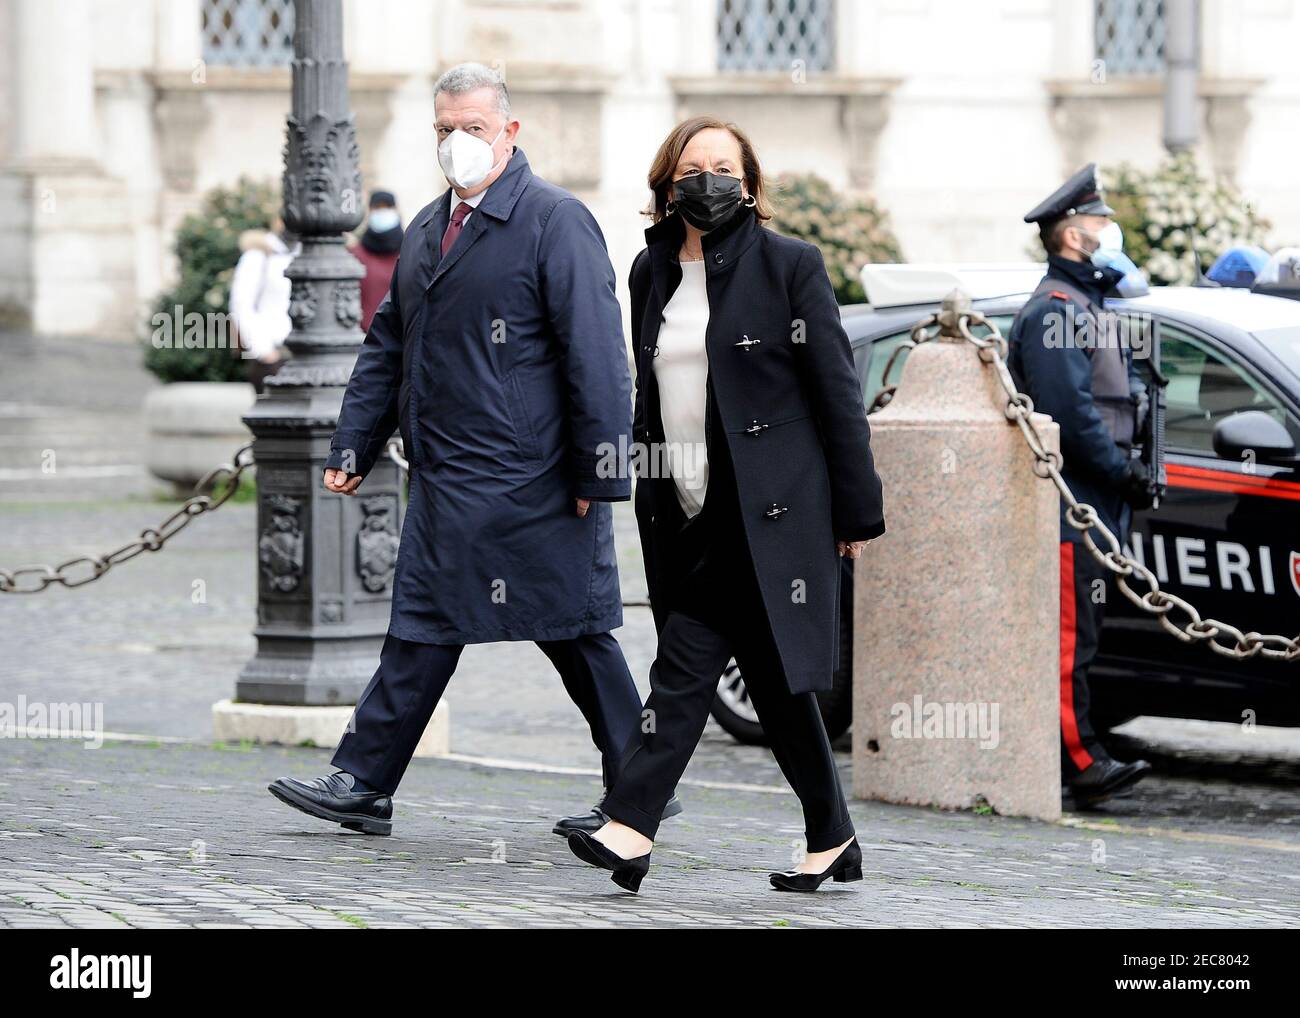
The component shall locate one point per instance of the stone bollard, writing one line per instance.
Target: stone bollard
(956, 697)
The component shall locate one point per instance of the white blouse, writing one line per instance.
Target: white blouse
(682, 372)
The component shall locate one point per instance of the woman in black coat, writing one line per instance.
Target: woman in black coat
(753, 458)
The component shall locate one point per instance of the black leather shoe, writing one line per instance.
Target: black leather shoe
(590, 823)
(1106, 778)
(332, 798)
(587, 823)
(847, 866)
(627, 873)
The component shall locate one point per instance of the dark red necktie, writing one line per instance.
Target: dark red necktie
(454, 227)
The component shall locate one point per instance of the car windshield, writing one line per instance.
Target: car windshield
(1285, 343)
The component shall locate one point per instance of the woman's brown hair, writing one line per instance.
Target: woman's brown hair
(670, 153)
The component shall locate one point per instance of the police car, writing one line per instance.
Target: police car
(1226, 537)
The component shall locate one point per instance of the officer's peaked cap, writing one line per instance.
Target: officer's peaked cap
(1078, 196)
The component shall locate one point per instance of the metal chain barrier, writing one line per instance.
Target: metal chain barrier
(83, 569)
(1222, 638)
(34, 579)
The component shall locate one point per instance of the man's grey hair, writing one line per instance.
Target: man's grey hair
(469, 78)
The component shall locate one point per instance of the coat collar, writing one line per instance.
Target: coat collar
(500, 198)
(498, 203)
(1095, 282)
(722, 247)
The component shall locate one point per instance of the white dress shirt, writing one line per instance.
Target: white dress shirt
(471, 202)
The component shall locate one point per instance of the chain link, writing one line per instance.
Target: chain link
(1130, 574)
(77, 572)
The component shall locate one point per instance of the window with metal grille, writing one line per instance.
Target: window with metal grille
(773, 35)
(248, 33)
(1130, 36)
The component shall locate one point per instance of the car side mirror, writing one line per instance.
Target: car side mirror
(1253, 434)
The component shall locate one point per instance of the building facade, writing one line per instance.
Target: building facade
(117, 115)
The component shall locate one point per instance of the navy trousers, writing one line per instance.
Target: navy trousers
(396, 706)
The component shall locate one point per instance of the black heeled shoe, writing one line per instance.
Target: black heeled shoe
(627, 873)
(847, 866)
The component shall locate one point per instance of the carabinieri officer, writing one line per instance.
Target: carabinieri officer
(1069, 355)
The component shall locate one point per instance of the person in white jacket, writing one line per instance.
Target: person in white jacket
(259, 298)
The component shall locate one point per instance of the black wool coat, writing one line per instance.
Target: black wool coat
(783, 387)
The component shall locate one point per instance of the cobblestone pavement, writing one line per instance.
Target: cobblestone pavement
(80, 400)
(151, 833)
(183, 835)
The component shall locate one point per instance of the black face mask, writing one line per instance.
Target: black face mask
(707, 200)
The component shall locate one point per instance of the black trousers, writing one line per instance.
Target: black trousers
(396, 706)
(1085, 585)
(715, 612)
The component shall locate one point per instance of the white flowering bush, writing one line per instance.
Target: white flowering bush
(1174, 218)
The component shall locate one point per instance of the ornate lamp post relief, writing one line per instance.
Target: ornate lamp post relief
(377, 543)
(325, 561)
(279, 549)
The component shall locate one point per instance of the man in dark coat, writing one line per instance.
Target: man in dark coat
(1068, 354)
(499, 355)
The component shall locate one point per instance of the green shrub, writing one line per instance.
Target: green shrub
(851, 231)
(1174, 218)
(207, 248)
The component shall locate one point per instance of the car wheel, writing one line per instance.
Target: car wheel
(733, 710)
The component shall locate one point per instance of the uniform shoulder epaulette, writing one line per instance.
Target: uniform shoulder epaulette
(1058, 294)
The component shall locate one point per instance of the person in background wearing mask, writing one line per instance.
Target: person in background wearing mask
(745, 381)
(499, 355)
(259, 298)
(377, 251)
(1068, 355)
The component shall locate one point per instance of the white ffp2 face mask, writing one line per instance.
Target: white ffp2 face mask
(466, 161)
